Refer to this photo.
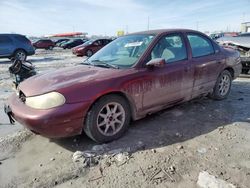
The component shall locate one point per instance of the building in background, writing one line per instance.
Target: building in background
(245, 27)
(120, 33)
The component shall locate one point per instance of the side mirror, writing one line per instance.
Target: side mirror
(158, 62)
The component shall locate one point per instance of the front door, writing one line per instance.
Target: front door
(173, 82)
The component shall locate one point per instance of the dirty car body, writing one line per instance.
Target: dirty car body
(131, 77)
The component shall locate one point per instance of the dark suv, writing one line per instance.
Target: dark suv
(44, 44)
(15, 45)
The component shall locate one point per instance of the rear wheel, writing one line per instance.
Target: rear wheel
(20, 55)
(223, 85)
(108, 119)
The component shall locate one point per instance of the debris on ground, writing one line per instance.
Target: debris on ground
(121, 158)
(205, 180)
(85, 158)
(202, 150)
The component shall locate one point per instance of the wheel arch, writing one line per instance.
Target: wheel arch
(19, 49)
(231, 70)
(132, 106)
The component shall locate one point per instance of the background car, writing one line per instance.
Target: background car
(242, 44)
(15, 46)
(244, 34)
(72, 43)
(90, 47)
(63, 42)
(44, 44)
(59, 41)
(135, 75)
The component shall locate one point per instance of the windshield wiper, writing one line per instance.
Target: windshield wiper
(103, 64)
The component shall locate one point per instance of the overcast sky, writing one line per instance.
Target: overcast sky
(41, 17)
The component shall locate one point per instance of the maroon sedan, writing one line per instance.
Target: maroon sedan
(90, 47)
(135, 75)
(44, 44)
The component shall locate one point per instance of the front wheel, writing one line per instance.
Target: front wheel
(89, 53)
(50, 48)
(108, 119)
(223, 86)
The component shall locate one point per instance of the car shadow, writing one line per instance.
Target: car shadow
(177, 124)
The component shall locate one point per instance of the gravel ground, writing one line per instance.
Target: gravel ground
(167, 149)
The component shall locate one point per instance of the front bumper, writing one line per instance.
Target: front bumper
(63, 121)
(78, 52)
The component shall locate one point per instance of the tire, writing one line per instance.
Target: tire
(20, 55)
(103, 125)
(50, 48)
(245, 71)
(223, 86)
(89, 53)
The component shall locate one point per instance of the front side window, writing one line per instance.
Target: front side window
(171, 48)
(200, 45)
(123, 52)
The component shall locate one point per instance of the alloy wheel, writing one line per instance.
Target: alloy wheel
(224, 85)
(20, 56)
(111, 119)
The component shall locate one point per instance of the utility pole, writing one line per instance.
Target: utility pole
(244, 14)
(148, 22)
(197, 25)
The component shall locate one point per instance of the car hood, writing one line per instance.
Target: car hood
(63, 78)
(78, 47)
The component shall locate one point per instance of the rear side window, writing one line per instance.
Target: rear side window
(200, 45)
(5, 40)
(21, 38)
(106, 42)
(171, 48)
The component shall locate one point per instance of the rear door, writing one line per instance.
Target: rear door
(6, 46)
(173, 82)
(206, 63)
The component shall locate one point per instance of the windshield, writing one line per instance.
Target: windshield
(88, 43)
(123, 52)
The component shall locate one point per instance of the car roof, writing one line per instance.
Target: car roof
(161, 31)
(8, 34)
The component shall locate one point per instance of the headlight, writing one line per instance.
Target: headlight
(46, 101)
(79, 49)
